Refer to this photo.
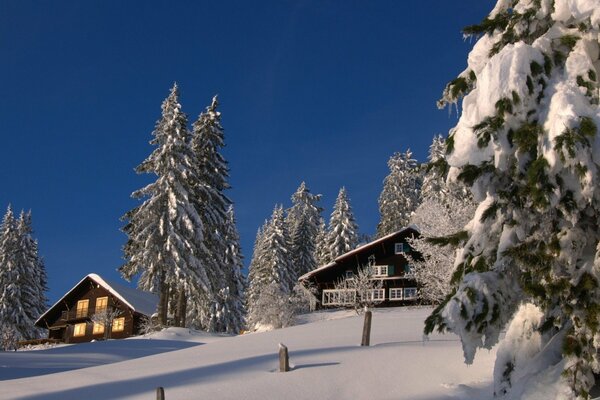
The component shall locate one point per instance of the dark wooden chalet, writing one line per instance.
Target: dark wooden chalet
(71, 319)
(388, 262)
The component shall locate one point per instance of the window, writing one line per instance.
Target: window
(395, 294)
(82, 308)
(349, 274)
(376, 295)
(380, 270)
(410, 293)
(408, 270)
(400, 248)
(101, 304)
(98, 329)
(79, 330)
(118, 324)
(338, 296)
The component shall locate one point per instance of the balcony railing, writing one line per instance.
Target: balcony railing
(76, 314)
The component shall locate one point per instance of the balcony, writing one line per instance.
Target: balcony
(73, 315)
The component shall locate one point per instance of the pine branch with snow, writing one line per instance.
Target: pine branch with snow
(526, 143)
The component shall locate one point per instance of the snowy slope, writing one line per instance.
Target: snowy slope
(327, 363)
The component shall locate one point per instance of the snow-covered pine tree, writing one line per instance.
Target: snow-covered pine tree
(12, 310)
(270, 267)
(212, 204)
(228, 312)
(527, 143)
(436, 171)
(343, 230)
(258, 276)
(400, 196)
(302, 222)
(165, 233)
(322, 255)
(34, 279)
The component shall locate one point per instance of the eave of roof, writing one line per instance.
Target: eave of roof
(357, 250)
(99, 280)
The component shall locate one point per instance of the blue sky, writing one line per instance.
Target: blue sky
(320, 91)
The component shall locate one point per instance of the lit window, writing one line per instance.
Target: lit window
(395, 294)
(118, 324)
(98, 329)
(101, 304)
(82, 308)
(399, 248)
(79, 330)
(410, 293)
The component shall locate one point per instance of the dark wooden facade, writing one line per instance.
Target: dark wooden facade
(70, 322)
(388, 252)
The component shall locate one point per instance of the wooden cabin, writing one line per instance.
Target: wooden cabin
(387, 258)
(71, 319)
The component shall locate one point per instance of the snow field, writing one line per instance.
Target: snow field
(326, 359)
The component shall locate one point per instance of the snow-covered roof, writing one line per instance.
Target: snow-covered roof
(139, 301)
(357, 250)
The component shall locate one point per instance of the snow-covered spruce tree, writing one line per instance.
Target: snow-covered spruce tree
(165, 233)
(227, 312)
(34, 280)
(322, 255)
(343, 230)
(400, 196)
(302, 222)
(270, 267)
(258, 276)
(436, 171)
(212, 204)
(527, 143)
(12, 310)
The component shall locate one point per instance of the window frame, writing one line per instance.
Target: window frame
(99, 307)
(80, 309)
(399, 248)
(97, 328)
(77, 332)
(412, 289)
(118, 326)
(379, 270)
(396, 294)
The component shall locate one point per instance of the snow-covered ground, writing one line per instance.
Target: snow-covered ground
(327, 363)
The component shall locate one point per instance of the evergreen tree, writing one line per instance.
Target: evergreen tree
(434, 181)
(165, 233)
(401, 193)
(526, 143)
(343, 231)
(270, 267)
(258, 276)
(33, 282)
(12, 309)
(303, 224)
(230, 306)
(212, 172)
(322, 255)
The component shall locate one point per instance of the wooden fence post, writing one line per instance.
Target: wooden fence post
(160, 393)
(366, 336)
(284, 360)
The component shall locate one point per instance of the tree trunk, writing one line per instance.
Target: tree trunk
(163, 301)
(180, 308)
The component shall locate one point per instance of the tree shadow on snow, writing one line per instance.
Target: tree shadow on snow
(147, 384)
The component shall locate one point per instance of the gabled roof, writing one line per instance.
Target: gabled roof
(360, 249)
(139, 301)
